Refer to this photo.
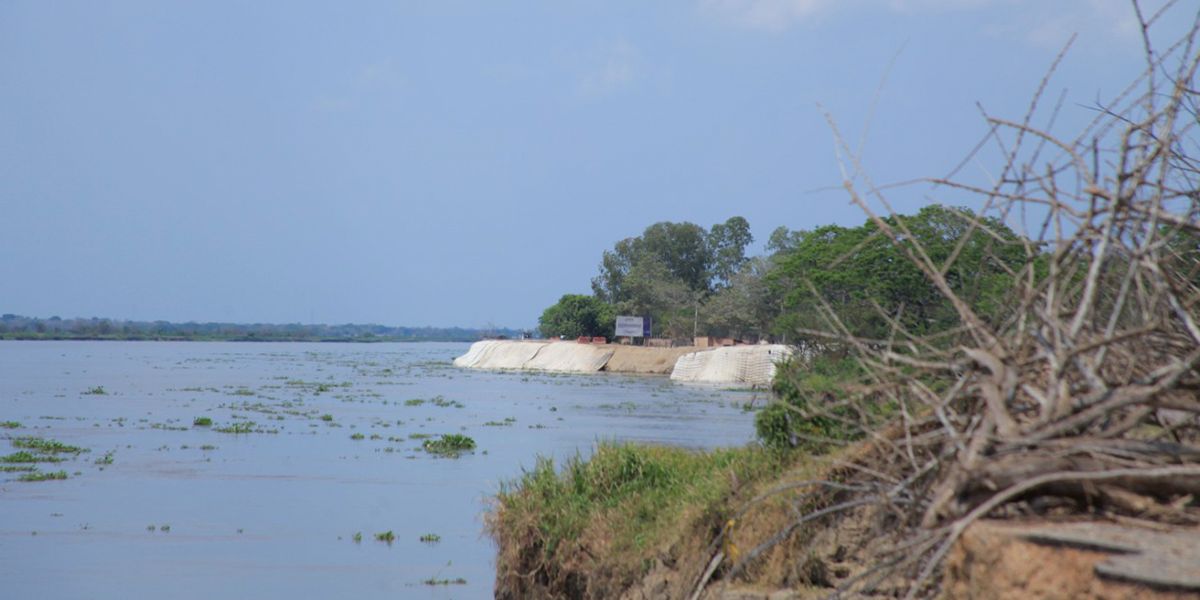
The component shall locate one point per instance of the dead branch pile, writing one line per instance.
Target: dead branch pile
(1084, 395)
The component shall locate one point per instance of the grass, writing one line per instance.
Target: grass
(107, 459)
(451, 445)
(357, 537)
(357, 436)
(630, 498)
(96, 391)
(386, 536)
(202, 422)
(327, 417)
(43, 476)
(46, 446)
(10, 425)
(16, 468)
(414, 402)
(431, 538)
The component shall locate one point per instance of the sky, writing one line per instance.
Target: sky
(466, 163)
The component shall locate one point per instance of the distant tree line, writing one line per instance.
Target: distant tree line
(695, 281)
(56, 328)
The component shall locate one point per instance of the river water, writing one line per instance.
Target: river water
(335, 449)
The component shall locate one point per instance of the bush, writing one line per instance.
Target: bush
(811, 411)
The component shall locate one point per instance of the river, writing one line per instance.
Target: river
(159, 507)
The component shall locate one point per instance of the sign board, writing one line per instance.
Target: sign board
(633, 327)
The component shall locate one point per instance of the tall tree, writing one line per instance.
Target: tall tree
(727, 245)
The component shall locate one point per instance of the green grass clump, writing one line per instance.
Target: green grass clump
(414, 402)
(641, 493)
(46, 446)
(431, 538)
(357, 436)
(96, 391)
(16, 468)
(29, 457)
(202, 422)
(10, 425)
(450, 445)
(386, 536)
(43, 476)
(327, 417)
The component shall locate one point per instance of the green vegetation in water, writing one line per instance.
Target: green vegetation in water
(243, 427)
(327, 417)
(240, 427)
(357, 537)
(433, 581)
(431, 538)
(43, 476)
(45, 445)
(357, 436)
(95, 391)
(10, 425)
(507, 422)
(202, 422)
(444, 403)
(386, 536)
(107, 459)
(451, 445)
(414, 402)
(29, 457)
(17, 468)
(419, 436)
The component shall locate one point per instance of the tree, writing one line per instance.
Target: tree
(745, 308)
(577, 315)
(670, 270)
(867, 278)
(727, 245)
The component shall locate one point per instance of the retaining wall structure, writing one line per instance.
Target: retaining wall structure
(749, 365)
(746, 365)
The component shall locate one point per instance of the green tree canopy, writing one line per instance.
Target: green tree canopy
(863, 274)
(576, 315)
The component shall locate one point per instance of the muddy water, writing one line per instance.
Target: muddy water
(192, 512)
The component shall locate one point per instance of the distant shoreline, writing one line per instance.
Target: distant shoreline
(22, 328)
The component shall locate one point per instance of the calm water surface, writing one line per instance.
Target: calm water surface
(272, 514)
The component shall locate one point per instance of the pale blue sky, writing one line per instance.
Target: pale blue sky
(465, 163)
